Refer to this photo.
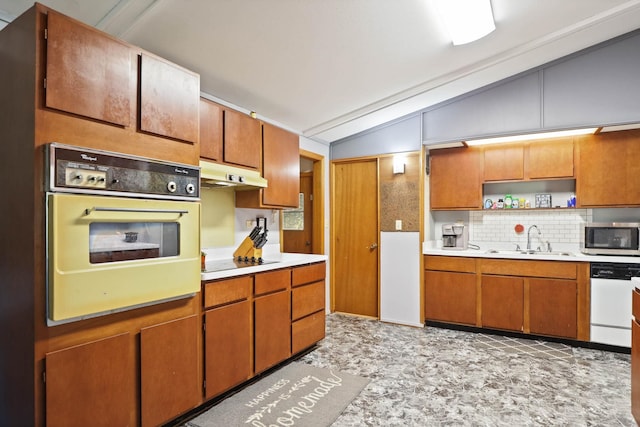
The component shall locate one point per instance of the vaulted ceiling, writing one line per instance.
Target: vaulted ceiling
(330, 68)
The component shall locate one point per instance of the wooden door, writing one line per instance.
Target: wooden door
(504, 162)
(450, 296)
(169, 99)
(356, 236)
(242, 140)
(92, 384)
(553, 307)
(169, 379)
(455, 179)
(76, 56)
(272, 330)
(300, 240)
(502, 300)
(227, 347)
(211, 120)
(280, 166)
(550, 159)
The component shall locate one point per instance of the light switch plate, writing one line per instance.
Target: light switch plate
(398, 224)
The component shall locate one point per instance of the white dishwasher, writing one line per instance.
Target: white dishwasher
(611, 300)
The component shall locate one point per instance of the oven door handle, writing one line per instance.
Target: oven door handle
(102, 209)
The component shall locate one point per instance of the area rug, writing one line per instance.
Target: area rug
(295, 395)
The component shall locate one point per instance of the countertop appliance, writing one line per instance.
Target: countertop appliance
(614, 238)
(121, 232)
(611, 301)
(455, 236)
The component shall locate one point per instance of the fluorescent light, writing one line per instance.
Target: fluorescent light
(531, 136)
(466, 20)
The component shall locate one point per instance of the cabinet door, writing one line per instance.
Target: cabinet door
(169, 100)
(608, 169)
(281, 167)
(242, 139)
(456, 178)
(553, 307)
(169, 381)
(227, 347)
(76, 55)
(307, 299)
(551, 158)
(307, 331)
(502, 302)
(504, 162)
(272, 333)
(92, 384)
(635, 369)
(210, 130)
(450, 297)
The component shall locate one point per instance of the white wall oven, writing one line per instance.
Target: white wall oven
(122, 232)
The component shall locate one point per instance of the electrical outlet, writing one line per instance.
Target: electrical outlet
(249, 224)
(398, 224)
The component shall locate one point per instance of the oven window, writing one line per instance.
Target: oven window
(112, 242)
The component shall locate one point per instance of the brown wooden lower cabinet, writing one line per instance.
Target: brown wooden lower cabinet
(553, 307)
(272, 330)
(169, 382)
(502, 302)
(450, 296)
(91, 384)
(538, 297)
(227, 347)
(307, 306)
(307, 331)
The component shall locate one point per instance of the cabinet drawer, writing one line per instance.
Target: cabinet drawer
(226, 291)
(307, 331)
(555, 269)
(272, 281)
(450, 263)
(308, 274)
(307, 299)
(636, 304)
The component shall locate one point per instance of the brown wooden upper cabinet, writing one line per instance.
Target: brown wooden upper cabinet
(228, 136)
(608, 169)
(242, 139)
(76, 54)
(211, 122)
(455, 179)
(544, 159)
(169, 99)
(281, 168)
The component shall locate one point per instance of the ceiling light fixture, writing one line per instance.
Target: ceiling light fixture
(466, 20)
(532, 136)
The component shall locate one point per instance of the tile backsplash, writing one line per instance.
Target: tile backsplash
(560, 226)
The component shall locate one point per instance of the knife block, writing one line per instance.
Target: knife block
(246, 249)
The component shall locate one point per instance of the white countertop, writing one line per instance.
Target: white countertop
(283, 260)
(483, 252)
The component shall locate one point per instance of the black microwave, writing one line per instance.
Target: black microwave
(614, 238)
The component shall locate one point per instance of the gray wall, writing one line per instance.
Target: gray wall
(597, 86)
(398, 136)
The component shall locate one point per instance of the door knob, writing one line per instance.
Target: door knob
(373, 246)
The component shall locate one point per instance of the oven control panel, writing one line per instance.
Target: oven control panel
(85, 179)
(81, 170)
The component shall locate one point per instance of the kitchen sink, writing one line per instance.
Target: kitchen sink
(528, 252)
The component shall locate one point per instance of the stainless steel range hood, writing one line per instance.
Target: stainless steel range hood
(216, 175)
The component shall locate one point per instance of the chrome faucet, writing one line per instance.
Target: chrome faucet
(529, 235)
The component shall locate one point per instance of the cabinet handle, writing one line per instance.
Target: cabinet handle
(373, 246)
